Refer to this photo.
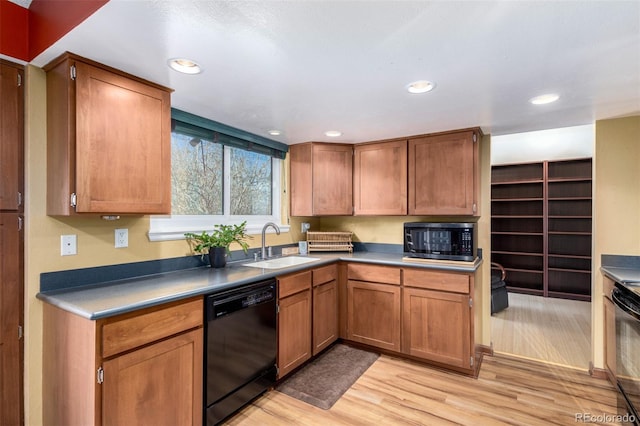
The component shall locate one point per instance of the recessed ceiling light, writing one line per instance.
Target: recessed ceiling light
(333, 133)
(186, 66)
(274, 132)
(544, 99)
(421, 86)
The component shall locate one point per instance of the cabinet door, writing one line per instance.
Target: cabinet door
(443, 174)
(332, 179)
(373, 314)
(123, 146)
(610, 338)
(294, 331)
(159, 384)
(301, 185)
(436, 326)
(11, 291)
(11, 130)
(325, 315)
(380, 178)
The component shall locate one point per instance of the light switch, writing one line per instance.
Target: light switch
(68, 245)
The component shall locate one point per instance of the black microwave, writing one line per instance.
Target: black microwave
(446, 241)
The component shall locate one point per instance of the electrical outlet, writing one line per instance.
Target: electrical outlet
(68, 245)
(304, 227)
(122, 238)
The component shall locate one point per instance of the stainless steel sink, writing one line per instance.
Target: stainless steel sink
(281, 262)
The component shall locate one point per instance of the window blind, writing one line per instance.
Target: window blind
(203, 128)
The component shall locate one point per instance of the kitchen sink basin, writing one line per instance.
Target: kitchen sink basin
(281, 262)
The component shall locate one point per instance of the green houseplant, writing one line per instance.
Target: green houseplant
(216, 244)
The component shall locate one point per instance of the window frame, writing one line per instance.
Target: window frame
(173, 227)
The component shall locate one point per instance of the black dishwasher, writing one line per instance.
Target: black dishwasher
(240, 348)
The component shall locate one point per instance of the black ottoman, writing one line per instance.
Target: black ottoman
(499, 295)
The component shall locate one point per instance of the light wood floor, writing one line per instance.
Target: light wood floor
(392, 391)
(544, 328)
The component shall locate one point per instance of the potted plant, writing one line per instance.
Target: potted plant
(216, 244)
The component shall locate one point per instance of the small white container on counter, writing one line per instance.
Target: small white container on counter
(302, 248)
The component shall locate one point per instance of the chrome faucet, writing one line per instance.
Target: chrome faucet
(264, 230)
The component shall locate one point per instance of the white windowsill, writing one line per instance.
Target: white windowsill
(178, 234)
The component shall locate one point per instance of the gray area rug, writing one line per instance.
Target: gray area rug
(324, 380)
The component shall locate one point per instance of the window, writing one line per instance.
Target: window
(219, 178)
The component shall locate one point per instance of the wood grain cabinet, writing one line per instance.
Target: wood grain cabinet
(325, 307)
(108, 141)
(321, 179)
(373, 305)
(11, 241)
(11, 135)
(144, 367)
(294, 321)
(609, 330)
(437, 317)
(443, 173)
(380, 178)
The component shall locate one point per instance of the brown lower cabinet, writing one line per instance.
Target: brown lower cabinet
(373, 311)
(143, 367)
(325, 307)
(609, 330)
(294, 321)
(436, 319)
(307, 316)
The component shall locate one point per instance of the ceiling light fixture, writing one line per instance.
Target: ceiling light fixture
(421, 86)
(544, 99)
(274, 132)
(333, 133)
(186, 66)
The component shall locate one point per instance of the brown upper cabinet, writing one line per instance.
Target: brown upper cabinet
(435, 175)
(108, 141)
(321, 179)
(444, 173)
(380, 178)
(11, 135)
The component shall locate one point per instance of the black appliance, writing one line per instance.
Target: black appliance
(446, 241)
(240, 348)
(627, 301)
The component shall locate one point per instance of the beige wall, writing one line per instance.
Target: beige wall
(95, 240)
(616, 220)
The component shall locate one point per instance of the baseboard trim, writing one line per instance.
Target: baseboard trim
(598, 373)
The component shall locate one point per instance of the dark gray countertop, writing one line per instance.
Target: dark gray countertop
(622, 275)
(621, 268)
(117, 297)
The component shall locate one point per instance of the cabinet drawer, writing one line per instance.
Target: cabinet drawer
(372, 273)
(324, 274)
(137, 329)
(292, 284)
(436, 280)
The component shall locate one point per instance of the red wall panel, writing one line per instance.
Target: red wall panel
(25, 33)
(14, 30)
(49, 20)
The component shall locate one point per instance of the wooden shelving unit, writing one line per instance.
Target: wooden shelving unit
(541, 226)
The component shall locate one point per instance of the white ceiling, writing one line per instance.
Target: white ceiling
(305, 67)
